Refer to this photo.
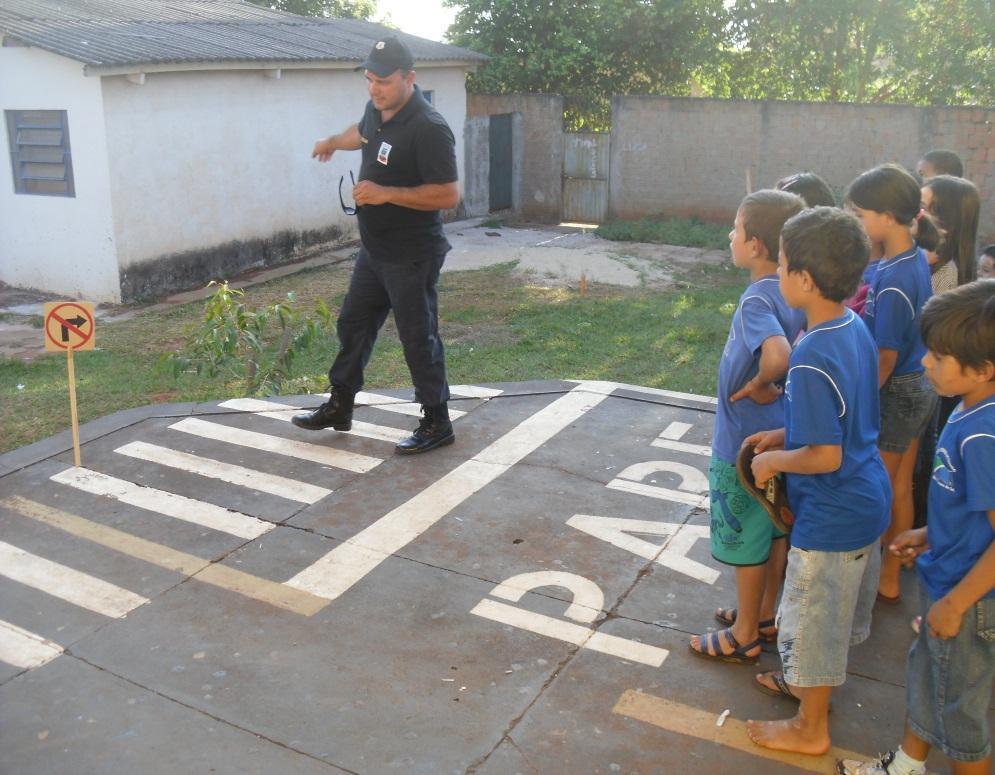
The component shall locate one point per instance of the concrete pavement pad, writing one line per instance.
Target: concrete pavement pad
(69, 717)
(290, 601)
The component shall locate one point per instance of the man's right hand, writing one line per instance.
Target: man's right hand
(323, 149)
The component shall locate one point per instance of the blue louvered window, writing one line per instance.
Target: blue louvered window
(39, 152)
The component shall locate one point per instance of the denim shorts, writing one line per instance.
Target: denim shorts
(907, 404)
(741, 532)
(950, 684)
(825, 609)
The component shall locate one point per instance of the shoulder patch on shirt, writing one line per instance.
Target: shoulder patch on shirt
(384, 153)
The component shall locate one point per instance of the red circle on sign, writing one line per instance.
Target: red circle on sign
(65, 318)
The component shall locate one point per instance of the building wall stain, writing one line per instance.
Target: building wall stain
(190, 269)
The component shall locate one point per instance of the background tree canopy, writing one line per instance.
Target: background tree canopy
(331, 9)
(911, 51)
(588, 50)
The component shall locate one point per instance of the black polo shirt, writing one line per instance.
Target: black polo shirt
(415, 147)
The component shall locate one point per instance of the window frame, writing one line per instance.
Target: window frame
(27, 152)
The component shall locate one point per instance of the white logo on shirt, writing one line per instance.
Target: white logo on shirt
(384, 153)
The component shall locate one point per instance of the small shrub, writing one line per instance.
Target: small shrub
(237, 340)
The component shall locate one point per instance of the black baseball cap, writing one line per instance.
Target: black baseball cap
(386, 56)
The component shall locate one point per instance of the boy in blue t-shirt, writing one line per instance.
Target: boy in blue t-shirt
(837, 484)
(753, 365)
(952, 661)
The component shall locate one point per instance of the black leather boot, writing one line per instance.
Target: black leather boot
(434, 430)
(335, 413)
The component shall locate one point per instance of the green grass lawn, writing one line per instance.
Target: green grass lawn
(667, 231)
(496, 326)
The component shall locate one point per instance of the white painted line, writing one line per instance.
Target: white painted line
(571, 633)
(588, 599)
(302, 450)
(672, 554)
(66, 583)
(661, 493)
(214, 573)
(681, 446)
(692, 484)
(302, 492)
(676, 430)
(24, 649)
(474, 391)
(282, 412)
(167, 503)
(399, 405)
(350, 562)
(665, 393)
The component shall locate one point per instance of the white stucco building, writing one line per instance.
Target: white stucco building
(152, 145)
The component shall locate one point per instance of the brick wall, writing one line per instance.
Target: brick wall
(539, 183)
(686, 156)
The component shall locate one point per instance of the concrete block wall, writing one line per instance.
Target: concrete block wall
(538, 143)
(694, 157)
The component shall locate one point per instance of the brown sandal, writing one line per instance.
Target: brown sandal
(773, 496)
(727, 616)
(711, 648)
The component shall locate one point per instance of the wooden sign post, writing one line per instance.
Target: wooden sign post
(69, 326)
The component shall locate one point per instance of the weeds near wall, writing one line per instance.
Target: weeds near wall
(257, 346)
(689, 232)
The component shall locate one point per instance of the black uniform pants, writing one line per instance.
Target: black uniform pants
(408, 288)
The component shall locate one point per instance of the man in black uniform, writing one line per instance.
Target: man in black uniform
(408, 175)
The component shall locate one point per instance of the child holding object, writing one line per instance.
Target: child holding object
(837, 485)
(951, 664)
(887, 201)
(754, 362)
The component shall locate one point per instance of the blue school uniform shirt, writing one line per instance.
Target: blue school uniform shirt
(760, 314)
(832, 398)
(961, 493)
(900, 286)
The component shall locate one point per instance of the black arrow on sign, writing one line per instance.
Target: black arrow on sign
(77, 321)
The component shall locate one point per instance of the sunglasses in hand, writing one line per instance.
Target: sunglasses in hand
(345, 209)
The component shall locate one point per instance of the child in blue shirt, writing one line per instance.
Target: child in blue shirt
(887, 199)
(951, 664)
(837, 485)
(753, 365)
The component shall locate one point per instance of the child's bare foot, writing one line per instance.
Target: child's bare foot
(788, 735)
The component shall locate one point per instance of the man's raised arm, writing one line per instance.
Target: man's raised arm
(346, 140)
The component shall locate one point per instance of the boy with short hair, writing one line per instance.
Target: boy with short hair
(940, 161)
(951, 663)
(753, 365)
(986, 263)
(837, 484)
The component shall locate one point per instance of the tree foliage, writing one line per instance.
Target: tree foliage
(913, 51)
(919, 51)
(587, 50)
(329, 9)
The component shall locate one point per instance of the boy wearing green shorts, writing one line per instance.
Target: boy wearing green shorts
(754, 363)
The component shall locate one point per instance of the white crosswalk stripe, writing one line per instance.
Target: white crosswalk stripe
(283, 412)
(71, 585)
(399, 405)
(302, 450)
(172, 505)
(24, 649)
(302, 492)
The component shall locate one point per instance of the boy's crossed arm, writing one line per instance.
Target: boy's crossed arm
(772, 459)
(762, 388)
